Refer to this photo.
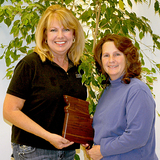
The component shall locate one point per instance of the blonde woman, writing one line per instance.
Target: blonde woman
(34, 101)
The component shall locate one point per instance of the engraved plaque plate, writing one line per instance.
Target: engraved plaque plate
(77, 123)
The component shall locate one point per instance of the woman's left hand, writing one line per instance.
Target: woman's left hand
(95, 152)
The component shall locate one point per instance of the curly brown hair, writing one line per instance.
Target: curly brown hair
(125, 45)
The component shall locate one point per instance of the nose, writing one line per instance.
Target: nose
(60, 34)
(111, 58)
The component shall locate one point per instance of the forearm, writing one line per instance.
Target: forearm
(20, 120)
(12, 113)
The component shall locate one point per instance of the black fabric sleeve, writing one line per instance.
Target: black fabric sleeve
(20, 84)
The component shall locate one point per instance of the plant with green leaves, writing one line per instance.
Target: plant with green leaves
(98, 17)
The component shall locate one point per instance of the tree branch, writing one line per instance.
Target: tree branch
(98, 11)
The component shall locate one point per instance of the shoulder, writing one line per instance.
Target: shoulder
(137, 85)
(29, 60)
(32, 58)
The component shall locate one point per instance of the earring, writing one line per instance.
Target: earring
(46, 41)
(74, 40)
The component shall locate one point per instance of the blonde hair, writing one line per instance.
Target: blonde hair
(68, 20)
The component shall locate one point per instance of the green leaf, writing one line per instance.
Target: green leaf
(103, 22)
(137, 45)
(1, 57)
(142, 62)
(158, 44)
(23, 49)
(76, 157)
(1, 2)
(92, 93)
(7, 21)
(146, 70)
(149, 79)
(1, 17)
(125, 30)
(67, 1)
(30, 51)
(158, 113)
(103, 8)
(121, 4)
(15, 31)
(154, 78)
(153, 70)
(7, 54)
(17, 43)
(16, 23)
(94, 82)
(8, 61)
(92, 105)
(158, 66)
(28, 39)
(156, 6)
(9, 74)
(129, 3)
(14, 56)
(118, 27)
(86, 15)
(141, 35)
(150, 87)
(25, 21)
(141, 55)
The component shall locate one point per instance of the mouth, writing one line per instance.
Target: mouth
(60, 42)
(113, 66)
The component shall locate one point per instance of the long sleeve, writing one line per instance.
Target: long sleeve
(124, 121)
(139, 123)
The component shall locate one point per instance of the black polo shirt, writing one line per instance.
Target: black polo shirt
(42, 85)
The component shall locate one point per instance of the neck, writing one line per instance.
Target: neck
(62, 62)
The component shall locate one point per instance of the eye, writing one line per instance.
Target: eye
(117, 54)
(53, 30)
(106, 55)
(67, 29)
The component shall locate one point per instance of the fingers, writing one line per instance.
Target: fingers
(59, 142)
(86, 146)
(66, 142)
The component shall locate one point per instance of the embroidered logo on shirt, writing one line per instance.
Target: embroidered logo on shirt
(78, 76)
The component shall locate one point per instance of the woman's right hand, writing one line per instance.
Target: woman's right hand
(59, 142)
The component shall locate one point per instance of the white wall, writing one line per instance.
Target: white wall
(5, 129)
(143, 10)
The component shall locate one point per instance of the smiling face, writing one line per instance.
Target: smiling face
(113, 60)
(59, 39)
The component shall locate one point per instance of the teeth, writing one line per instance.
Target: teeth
(60, 42)
(112, 66)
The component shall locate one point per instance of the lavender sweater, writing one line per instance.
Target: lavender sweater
(124, 122)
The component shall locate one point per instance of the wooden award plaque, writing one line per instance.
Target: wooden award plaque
(77, 123)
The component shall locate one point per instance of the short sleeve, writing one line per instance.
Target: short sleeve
(20, 84)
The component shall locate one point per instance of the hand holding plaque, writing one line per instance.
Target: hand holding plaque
(77, 123)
